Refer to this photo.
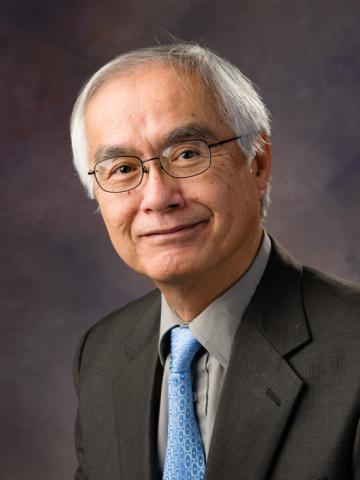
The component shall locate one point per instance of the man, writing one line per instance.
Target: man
(242, 364)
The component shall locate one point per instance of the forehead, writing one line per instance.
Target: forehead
(155, 80)
(151, 99)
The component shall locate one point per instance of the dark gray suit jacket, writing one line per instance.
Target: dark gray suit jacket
(290, 404)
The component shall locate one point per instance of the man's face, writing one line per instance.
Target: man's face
(167, 228)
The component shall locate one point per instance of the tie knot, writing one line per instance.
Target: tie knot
(183, 349)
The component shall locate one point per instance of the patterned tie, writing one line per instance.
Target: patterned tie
(185, 459)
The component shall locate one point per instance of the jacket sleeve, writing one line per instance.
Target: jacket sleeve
(356, 454)
(80, 473)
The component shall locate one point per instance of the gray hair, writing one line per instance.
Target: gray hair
(237, 101)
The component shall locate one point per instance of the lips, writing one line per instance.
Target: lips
(175, 229)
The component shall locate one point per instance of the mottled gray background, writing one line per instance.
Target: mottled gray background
(58, 271)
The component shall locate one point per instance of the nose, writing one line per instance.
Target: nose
(160, 192)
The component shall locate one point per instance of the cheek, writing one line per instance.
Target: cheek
(118, 217)
(239, 202)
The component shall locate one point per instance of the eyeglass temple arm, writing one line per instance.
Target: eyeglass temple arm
(217, 144)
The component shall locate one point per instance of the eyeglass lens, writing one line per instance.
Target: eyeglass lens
(185, 159)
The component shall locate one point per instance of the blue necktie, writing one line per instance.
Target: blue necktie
(185, 459)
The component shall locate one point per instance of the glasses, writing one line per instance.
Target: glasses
(181, 160)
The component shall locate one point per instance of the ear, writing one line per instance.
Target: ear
(261, 166)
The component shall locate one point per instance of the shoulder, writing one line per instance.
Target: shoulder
(124, 318)
(332, 309)
(111, 332)
(319, 291)
(331, 296)
(329, 305)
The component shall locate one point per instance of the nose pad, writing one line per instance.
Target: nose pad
(146, 169)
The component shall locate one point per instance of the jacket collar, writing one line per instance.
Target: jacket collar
(277, 306)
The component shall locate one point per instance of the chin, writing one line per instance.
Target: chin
(169, 270)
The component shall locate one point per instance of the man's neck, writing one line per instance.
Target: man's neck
(189, 297)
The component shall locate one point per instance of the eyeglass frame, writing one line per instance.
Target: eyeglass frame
(145, 169)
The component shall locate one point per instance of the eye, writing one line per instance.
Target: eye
(123, 168)
(188, 154)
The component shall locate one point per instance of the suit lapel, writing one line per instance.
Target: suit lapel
(260, 389)
(137, 396)
(259, 393)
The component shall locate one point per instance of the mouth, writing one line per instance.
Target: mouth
(174, 230)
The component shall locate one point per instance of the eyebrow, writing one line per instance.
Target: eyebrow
(106, 152)
(192, 130)
(185, 132)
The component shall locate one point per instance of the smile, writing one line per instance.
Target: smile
(179, 230)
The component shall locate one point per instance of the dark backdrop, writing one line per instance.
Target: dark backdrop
(58, 271)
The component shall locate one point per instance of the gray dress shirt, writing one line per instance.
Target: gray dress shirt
(214, 328)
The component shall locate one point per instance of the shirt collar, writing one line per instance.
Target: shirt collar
(216, 325)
